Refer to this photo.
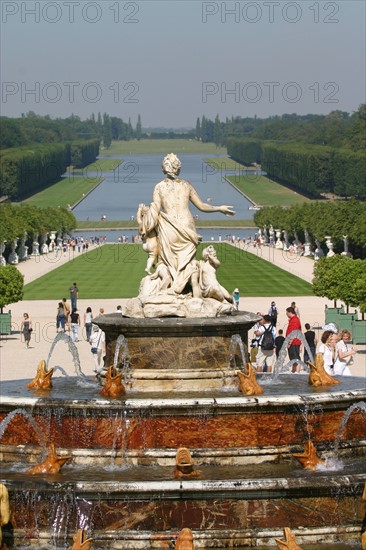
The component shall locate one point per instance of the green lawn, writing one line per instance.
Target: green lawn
(68, 190)
(265, 192)
(115, 271)
(99, 166)
(162, 146)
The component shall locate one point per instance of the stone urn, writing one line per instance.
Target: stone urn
(278, 244)
(330, 246)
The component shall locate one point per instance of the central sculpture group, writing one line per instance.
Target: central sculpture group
(181, 285)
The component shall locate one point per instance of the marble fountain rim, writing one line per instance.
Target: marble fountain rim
(176, 326)
(334, 400)
(175, 488)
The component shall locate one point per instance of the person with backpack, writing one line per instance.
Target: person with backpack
(267, 334)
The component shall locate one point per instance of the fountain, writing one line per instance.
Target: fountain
(182, 459)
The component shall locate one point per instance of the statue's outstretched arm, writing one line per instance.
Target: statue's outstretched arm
(204, 207)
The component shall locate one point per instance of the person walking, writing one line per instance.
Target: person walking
(74, 294)
(88, 317)
(97, 342)
(294, 346)
(273, 313)
(26, 329)
(67, 313)
(343, 354)
(75, 323)
(279, 340)
(311, 340)
(267, 334)
(60, 318)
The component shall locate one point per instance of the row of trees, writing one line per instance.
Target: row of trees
(341, 278)
(15, 220)
(32, 128)
(24, 170)
(321, 218)
(337, 129)
(310, 168)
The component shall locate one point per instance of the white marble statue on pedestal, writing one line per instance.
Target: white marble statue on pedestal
(35, 245)
(13, 256)
(307, 245)
(278, 244)
(179, 285)
(330, 246)
(44, 246)
(23, 249)
(286, 242)
(346, 251)
(271, 235)
(59, 240)
(318, 251)
(2, 250)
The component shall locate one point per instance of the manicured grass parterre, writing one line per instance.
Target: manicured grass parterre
(99, 166)
(161, 146)
(266, 192)
(115, 271)
(69, 190)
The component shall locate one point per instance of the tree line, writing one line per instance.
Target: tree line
(337, 129)
(321, 218)
(16, 220)
(312, 169)
(31, 128)
(24, 170)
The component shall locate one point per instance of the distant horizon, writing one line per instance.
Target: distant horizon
(185, 129)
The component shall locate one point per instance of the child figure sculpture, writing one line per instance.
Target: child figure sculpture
(149, 238)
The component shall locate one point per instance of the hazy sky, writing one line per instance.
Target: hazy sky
(172, 61)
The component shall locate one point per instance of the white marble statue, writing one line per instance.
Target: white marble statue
(319, 253)
(13, 256)
(208, 284)
(2, 250)
(35, 245)
(346, 251)
(286, 242)
(44, 245)
(23, 249)
(307, 245)
(169, 235)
